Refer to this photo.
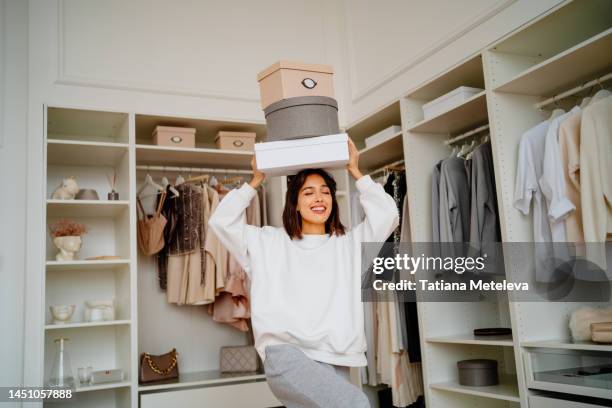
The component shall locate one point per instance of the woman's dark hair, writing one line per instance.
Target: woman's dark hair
(292, 220)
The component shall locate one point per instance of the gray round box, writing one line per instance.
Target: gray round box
(478, 372)
(301, 117)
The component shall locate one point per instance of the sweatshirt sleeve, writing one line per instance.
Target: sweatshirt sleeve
(229, 223)
(381, 214)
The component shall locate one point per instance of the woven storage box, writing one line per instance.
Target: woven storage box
(235, 140)
(287, 79)
(302, 117)
(174, 136)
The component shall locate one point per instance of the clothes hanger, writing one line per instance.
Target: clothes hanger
(558, 111)
(179, 180)
(149, 182)
(166, 184)
(453, 152)
(203, 178)
(602, 93)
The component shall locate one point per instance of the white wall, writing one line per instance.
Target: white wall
(200, 58)
(13, 137)
(395, 45)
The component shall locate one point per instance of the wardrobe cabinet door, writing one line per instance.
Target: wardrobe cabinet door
(536, 401)
(251, 395)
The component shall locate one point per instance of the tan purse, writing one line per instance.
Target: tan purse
(156, 368)
(151, 228)
(238, 359)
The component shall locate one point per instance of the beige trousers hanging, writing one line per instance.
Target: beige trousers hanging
(185, 280)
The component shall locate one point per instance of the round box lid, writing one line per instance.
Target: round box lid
(301, 100)
(477, 363)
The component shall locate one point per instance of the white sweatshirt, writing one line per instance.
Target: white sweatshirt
(306, 292)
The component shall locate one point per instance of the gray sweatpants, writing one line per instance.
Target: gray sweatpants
(299, 382)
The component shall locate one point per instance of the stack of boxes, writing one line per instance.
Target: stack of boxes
(301, 119)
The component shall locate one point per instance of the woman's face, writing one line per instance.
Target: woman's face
(314, 200)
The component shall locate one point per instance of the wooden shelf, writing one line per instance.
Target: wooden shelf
(468, 115)
(465, 73)
(373, 123)
(85, 208)
(72, 153)
(581, 63)
(87, 125)
(568, 345)
(192, 157)
(85, 265)
(86, 324)
(468, 338)
(506, 390)
(199, 378)
(387, 152)
(98, 387)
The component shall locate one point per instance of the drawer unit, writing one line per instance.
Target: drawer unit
(250, 394)
(538, 401)
(578, 372)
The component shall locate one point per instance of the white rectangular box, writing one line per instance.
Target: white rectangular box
(287, 157)
(382, 136)
(448, 101)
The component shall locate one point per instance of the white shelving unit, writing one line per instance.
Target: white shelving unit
(189, 329)
(446, 327)
(90, 145)
(539, 61)
(567, 46)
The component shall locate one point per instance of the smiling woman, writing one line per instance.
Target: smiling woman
(306, 306)
(311, 206)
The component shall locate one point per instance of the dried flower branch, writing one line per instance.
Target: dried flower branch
(112, 181)
(67, 228)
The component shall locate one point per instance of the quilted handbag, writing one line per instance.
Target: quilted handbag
(237, 359)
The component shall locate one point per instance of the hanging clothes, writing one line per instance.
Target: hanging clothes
(569, 151)
(184, 261)
(596, 176)
(435, 202)
(484, 217)
(231, 304)
(552, 182)
(454, 201)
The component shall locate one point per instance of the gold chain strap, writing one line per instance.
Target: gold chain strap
(158, 370)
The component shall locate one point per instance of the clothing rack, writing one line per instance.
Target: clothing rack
(466, 135)
(145, 167)
(386, 166)
(574, 90)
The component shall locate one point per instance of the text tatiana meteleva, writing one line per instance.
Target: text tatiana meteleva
(441, 285)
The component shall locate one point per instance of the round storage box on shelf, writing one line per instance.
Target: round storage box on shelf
(301, 117)
(478, 372)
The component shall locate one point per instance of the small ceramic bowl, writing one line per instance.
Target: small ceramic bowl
(87, 194)
(61, 313)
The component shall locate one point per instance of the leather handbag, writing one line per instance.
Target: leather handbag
(156, 368)
(239, 359)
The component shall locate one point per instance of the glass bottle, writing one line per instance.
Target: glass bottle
(61, 370)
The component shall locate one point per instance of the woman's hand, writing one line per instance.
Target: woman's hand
(353, 164)
(258, 176)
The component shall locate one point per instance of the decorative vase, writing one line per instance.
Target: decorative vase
(113, 195)
(68, 246)
(61, 370)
